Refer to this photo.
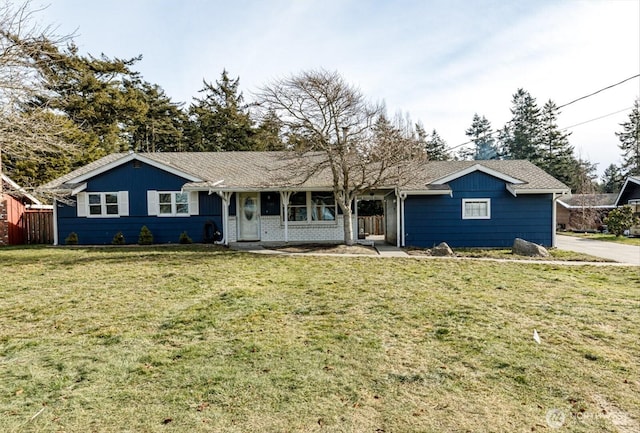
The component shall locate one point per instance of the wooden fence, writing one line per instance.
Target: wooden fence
(38, 226)
(371, 225)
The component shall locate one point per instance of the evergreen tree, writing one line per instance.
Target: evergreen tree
(268, 134)
(584, 176)
(480, 132)
(557, 156)
(160, 126)
(219, 120)
(612, 179)
(521, 138)
(96, 94)
(435, 147)
(630, 142)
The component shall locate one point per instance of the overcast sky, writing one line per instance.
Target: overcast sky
(439, 61)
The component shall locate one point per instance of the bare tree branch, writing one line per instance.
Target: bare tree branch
(25, 134)
(330, 125)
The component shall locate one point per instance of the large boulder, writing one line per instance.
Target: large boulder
(442, 250)
(526, 248)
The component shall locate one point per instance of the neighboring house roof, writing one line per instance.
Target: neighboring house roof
(17, 190)
(629, 183)
(260, 170)
(592, 201)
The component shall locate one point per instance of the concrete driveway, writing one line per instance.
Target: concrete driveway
(609, 250)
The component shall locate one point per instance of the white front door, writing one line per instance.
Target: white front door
(248, 216)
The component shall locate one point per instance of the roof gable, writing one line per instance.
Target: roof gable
(474, 168)
(630, 183)
(17, 189)
(130, 157)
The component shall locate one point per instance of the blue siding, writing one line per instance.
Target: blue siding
(97, 231)
(430, 220)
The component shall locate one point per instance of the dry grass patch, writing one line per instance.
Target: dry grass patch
(200, 339)
(327, 249)
(506, 254)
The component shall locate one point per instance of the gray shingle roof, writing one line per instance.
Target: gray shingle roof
(591, 200)
(259, 170)
(533, 177)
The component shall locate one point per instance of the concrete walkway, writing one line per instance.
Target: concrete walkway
(629, 254)
(386, 250)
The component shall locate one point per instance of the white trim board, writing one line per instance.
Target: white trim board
(474, 168)
(131, 157)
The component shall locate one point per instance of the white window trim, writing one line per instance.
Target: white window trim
(83, 205)
(153, 204)
(476, 200)
(309, 209)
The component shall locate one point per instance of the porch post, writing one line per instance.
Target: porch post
(354, 223)
(56, 241)
(398, 225)
(401, 199)
(284, 197)
(226, 200)
(553, 219)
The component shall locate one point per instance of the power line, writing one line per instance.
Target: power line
(598, 91)
(597, 118)
(569, 103)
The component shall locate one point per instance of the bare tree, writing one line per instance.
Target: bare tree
(25, 133)
(336, 129)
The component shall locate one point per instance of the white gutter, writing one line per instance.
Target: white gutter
(398, 224)
(403, 197)
(515, 192)
(553, 219)
(79, 188)
(55, 223)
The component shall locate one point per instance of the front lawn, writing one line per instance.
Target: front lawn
(202, 339)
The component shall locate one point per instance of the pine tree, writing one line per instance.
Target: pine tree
(268, 134)
(220, 120)
(160, 126)
(612, 179)
(521, 138)
(630, 142)
(433, 146)
(436, 147)
(95, 93)
(557, 156)
(480, 132)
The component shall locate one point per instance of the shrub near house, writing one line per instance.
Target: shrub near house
(621, 219)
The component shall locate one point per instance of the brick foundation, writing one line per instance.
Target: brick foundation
(272, 230)
(4, 226)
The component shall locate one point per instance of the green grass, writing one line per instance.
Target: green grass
(605, 237)
(200, 339)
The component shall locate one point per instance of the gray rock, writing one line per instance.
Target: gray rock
(526, 248)
(442, 250)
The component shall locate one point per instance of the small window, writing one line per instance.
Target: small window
(307, 207)
(476, 209)
(323, 206)
(173, 203)
(298, 207)
(103, 204)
